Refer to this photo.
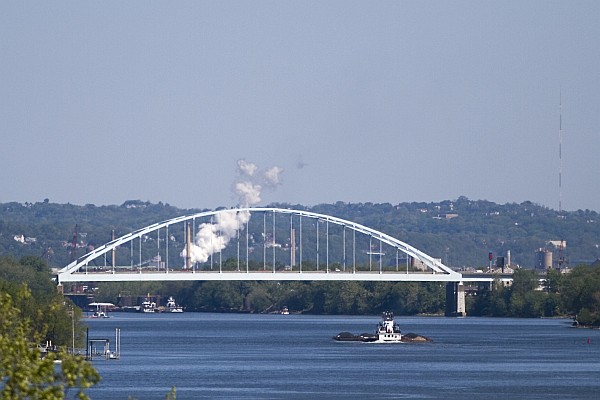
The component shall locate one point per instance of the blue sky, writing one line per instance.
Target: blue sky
(357, 101)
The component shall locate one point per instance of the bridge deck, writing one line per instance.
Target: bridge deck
(178, 275)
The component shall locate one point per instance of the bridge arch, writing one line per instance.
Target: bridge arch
(78, 271)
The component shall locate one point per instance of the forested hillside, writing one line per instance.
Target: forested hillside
(460, 232)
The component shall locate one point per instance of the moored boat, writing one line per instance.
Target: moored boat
(99, 314)
(172, 306)
(101, 309)
(148, 307)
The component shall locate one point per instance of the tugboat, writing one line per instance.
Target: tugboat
(387, 330)
(172, 306)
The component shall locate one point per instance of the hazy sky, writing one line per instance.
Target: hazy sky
(358, 101)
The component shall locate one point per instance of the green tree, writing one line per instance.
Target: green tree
(298, 296)
(581, 294)
(259, 299)
(46, 310)
(24, 374)
(552, 305)
(347, 298)
(554, 281)
(220, 296)
(490, 301)
(524, 281)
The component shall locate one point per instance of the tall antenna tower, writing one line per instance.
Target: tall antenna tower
(560, 137)
(561, 246)
(73, 250)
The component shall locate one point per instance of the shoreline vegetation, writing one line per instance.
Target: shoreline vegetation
(575, 294)
(531, 295)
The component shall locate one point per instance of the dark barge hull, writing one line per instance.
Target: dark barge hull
(369, 337)
(349, 337)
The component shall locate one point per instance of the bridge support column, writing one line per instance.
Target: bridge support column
(455, 300)
(461, 308)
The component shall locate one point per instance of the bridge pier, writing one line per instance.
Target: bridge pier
(455, 300)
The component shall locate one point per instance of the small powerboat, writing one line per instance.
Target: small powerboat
(99, 314)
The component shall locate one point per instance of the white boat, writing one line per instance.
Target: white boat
(284, 311)
(99, 314)
(101, 310)
(387, 330)
(148, 307)
(172, 306)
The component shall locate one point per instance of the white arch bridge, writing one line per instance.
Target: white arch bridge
(283, 245)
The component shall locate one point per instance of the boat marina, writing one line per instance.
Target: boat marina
(145, 304)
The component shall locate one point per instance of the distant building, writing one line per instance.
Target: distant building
(558, 248)
(24, 240)
(157, 263)
(543, 259)
(445, 216)
(558, 244)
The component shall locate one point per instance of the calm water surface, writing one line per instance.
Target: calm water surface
(240, 356)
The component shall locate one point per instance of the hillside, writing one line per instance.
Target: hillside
(460, 232)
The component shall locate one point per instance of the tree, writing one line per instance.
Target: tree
(219, 296)
(524, 281)
(490, 301)
(259, 299)
(24, 373)
(581, 293)
(554, 281)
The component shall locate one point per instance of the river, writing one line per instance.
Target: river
(245, 356)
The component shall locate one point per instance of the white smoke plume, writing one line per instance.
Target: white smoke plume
(248, 192)
(247, 168)
(214, 237)
(273, 176)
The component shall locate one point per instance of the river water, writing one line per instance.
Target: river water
(241, 356)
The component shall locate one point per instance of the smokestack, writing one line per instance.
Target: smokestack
(293, 248)
(188, 255)
(114, 251)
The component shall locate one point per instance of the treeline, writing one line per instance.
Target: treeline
(530, 296)
(350, 298)
(576, 294)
